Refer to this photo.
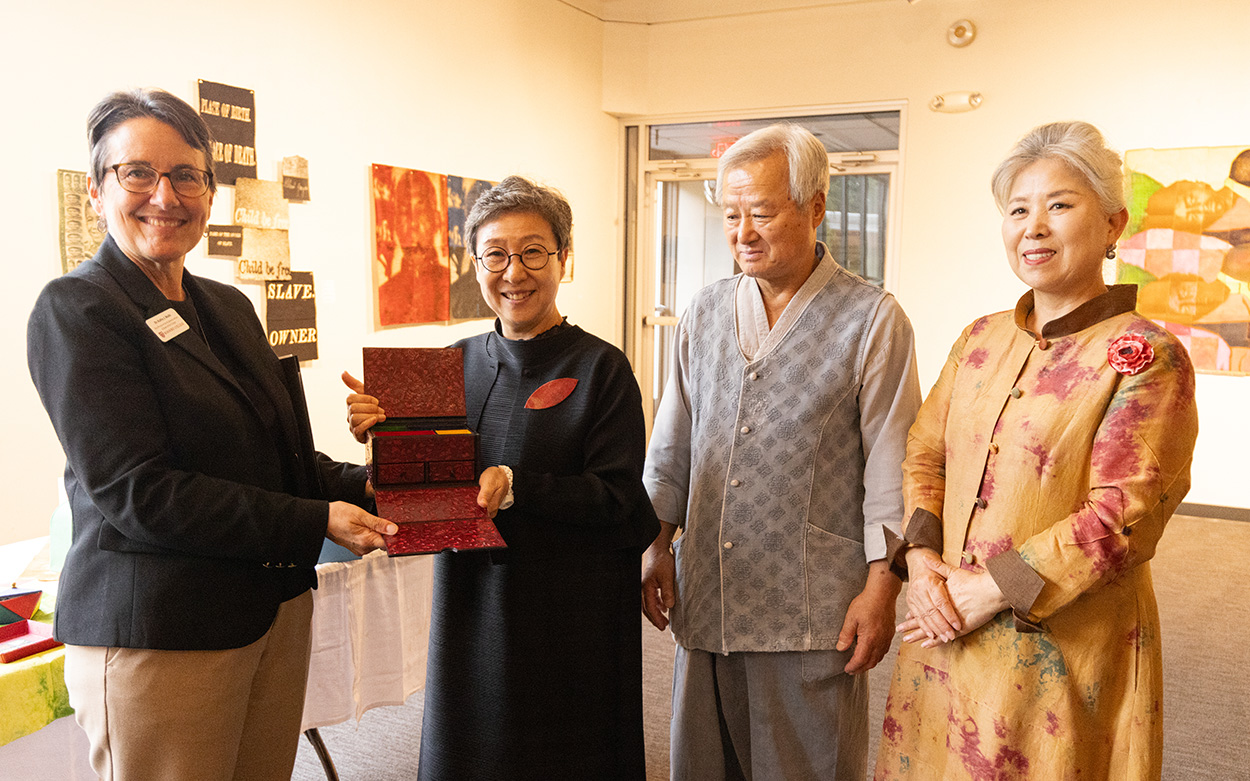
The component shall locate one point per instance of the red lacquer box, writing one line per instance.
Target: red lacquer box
(423, 460)
(23, 638)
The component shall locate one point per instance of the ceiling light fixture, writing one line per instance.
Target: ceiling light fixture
(955, 102)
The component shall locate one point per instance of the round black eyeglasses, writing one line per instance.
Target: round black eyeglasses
(534, 257)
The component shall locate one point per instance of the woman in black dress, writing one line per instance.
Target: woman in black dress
(535, 666)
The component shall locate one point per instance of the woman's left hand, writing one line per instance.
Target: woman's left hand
(363, 411)
(975, 595)
(494, 486)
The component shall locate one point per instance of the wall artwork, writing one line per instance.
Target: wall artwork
(295, 179)
(260, 204)
(466, 296)
(411, 278)
(291, 316)
(80, 230)
(225, 241)
(1187, 248)
(266, 255)
(230, 113)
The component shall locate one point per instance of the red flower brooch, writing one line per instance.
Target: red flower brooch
(1130, 354)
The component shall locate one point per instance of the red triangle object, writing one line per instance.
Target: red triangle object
(22, 604)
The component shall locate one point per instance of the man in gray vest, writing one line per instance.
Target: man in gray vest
(777, 450)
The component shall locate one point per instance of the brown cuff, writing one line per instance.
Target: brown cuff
(1024, 626)
(1019, 583)
(924, 530)
(894, 547)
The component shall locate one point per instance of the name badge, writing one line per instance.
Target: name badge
(167, 324)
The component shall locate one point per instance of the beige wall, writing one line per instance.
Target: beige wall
(481, 88)
(1150, 73)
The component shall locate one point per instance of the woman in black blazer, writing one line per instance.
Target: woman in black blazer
(197, 521)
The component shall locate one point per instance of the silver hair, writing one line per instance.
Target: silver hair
(517, 194)
(1078, 144)
(807, 158)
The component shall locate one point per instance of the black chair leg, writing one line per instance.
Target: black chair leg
(314, 737)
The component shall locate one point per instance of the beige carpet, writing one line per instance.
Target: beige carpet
(1204, 602)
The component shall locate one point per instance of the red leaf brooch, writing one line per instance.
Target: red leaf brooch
(1130, 354)
(551, 394)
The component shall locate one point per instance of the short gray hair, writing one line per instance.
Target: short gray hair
(516, 194)
(807, 158)
(1081, 146)
(158, 104)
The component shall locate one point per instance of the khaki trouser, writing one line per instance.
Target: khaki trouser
(190, 715)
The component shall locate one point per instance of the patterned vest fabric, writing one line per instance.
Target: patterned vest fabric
(772, 551)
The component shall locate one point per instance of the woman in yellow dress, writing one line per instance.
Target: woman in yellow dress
(1039, 476)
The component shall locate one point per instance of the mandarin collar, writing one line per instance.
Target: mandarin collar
(530, 352)
(1116, 301)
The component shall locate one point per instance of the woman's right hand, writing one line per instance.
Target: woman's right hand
(357, 530)
(363, 412)
(494, 487)
(931, 616)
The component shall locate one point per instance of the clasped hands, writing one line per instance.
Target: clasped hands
(363, 413)
(945, 602)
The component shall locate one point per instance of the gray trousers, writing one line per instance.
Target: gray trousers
(785, 716)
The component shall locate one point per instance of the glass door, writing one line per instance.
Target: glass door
(690, 251)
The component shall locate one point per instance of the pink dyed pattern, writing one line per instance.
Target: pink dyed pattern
(1064, 373)
(1044, 460)
(1116, 455)
(1096, 530)
(1052, 723)
(987, 549)
(1008, 763)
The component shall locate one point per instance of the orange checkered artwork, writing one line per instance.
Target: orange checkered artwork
(1187, 248)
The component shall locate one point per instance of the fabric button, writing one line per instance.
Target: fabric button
(993, 447)
(745, 429)
(1042, 344)
(735, 482)
(980, 502)
(728, 545)
(1016, 393)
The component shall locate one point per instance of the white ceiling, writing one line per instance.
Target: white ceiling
(660, 11)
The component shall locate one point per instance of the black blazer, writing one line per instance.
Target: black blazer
(193, 518)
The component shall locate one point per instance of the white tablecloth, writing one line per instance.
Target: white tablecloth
(371, 623)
